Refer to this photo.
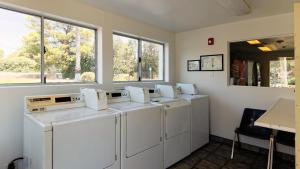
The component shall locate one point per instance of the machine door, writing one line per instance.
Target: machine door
(200, 123)
(177, 119)
(88, 143)
(143, 130)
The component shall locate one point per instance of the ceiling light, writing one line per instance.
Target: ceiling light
(254, 42)
(236, 7)
(265, 49)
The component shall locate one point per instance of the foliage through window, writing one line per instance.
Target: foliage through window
(137, 59)
(282, 72)
(68, 53)
(125, 58)
(152, 61)
(20, 52)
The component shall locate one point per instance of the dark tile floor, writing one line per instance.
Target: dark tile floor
(216, 155)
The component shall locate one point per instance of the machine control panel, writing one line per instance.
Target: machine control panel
(41, 103)
(118, 96)
(154, 93)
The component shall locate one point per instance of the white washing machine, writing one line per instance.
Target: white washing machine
(199, 114)
(177, 139)
(141, 132)
(60, 132)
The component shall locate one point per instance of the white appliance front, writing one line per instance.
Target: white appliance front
(177, 131)
(141, 135)
(199, 120)
(89, 143)
(143, 130)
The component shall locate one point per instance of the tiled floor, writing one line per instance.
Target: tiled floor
(216, 155)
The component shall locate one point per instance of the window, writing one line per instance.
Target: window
(152, 61)
(125, 58)
(137, 59)
(20, 53)
(69, 52)
(36, 49)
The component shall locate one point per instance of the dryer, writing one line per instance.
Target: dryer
(177, 143)
(60, 132)
(141, 132)
(199, 114)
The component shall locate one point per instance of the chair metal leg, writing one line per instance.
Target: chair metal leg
(272, 152)
(239, 142)
(270, 155)
(233, 142)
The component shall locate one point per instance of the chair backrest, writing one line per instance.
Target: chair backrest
(249, 117)
(247, 124)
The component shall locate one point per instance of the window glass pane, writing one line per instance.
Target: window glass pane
(20, 41)
(152, 61)
(282, 72)
(125, 58)
(70, 53)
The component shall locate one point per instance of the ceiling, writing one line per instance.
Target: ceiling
(183, 15)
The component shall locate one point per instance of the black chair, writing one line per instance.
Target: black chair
(285, 138)
(247, 127)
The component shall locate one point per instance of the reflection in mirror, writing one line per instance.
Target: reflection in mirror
(268, 62)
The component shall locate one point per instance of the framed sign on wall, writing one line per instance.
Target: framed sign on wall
(212, 62)
(193, 65)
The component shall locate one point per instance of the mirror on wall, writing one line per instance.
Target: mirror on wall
(267, 62)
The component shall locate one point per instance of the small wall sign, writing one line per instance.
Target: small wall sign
(211, 41)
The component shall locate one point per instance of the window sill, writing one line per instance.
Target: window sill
(26, 85)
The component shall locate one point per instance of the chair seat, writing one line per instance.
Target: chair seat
(285, 138)
(256, 132)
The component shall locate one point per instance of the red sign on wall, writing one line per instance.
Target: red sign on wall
(211, 41)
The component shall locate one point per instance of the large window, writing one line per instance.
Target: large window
(136, 59)
(36, 49)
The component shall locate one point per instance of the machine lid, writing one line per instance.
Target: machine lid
(189, 96)
(130, 105)
(164, 100)
(47, 118)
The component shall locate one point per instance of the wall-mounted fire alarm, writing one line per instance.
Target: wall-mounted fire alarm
(211, 41)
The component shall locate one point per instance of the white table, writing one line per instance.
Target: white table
(281, 116)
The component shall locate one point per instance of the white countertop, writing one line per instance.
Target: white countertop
(281, 116)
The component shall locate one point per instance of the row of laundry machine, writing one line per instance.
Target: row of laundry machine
(135, 128)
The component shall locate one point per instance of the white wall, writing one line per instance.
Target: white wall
(11, 98)
(227, 102)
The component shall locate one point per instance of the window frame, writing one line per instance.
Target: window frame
(42, 18)
(140, 58)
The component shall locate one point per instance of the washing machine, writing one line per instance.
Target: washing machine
(60, 132)
(141, 132)
(199, 114)
(177, 139)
